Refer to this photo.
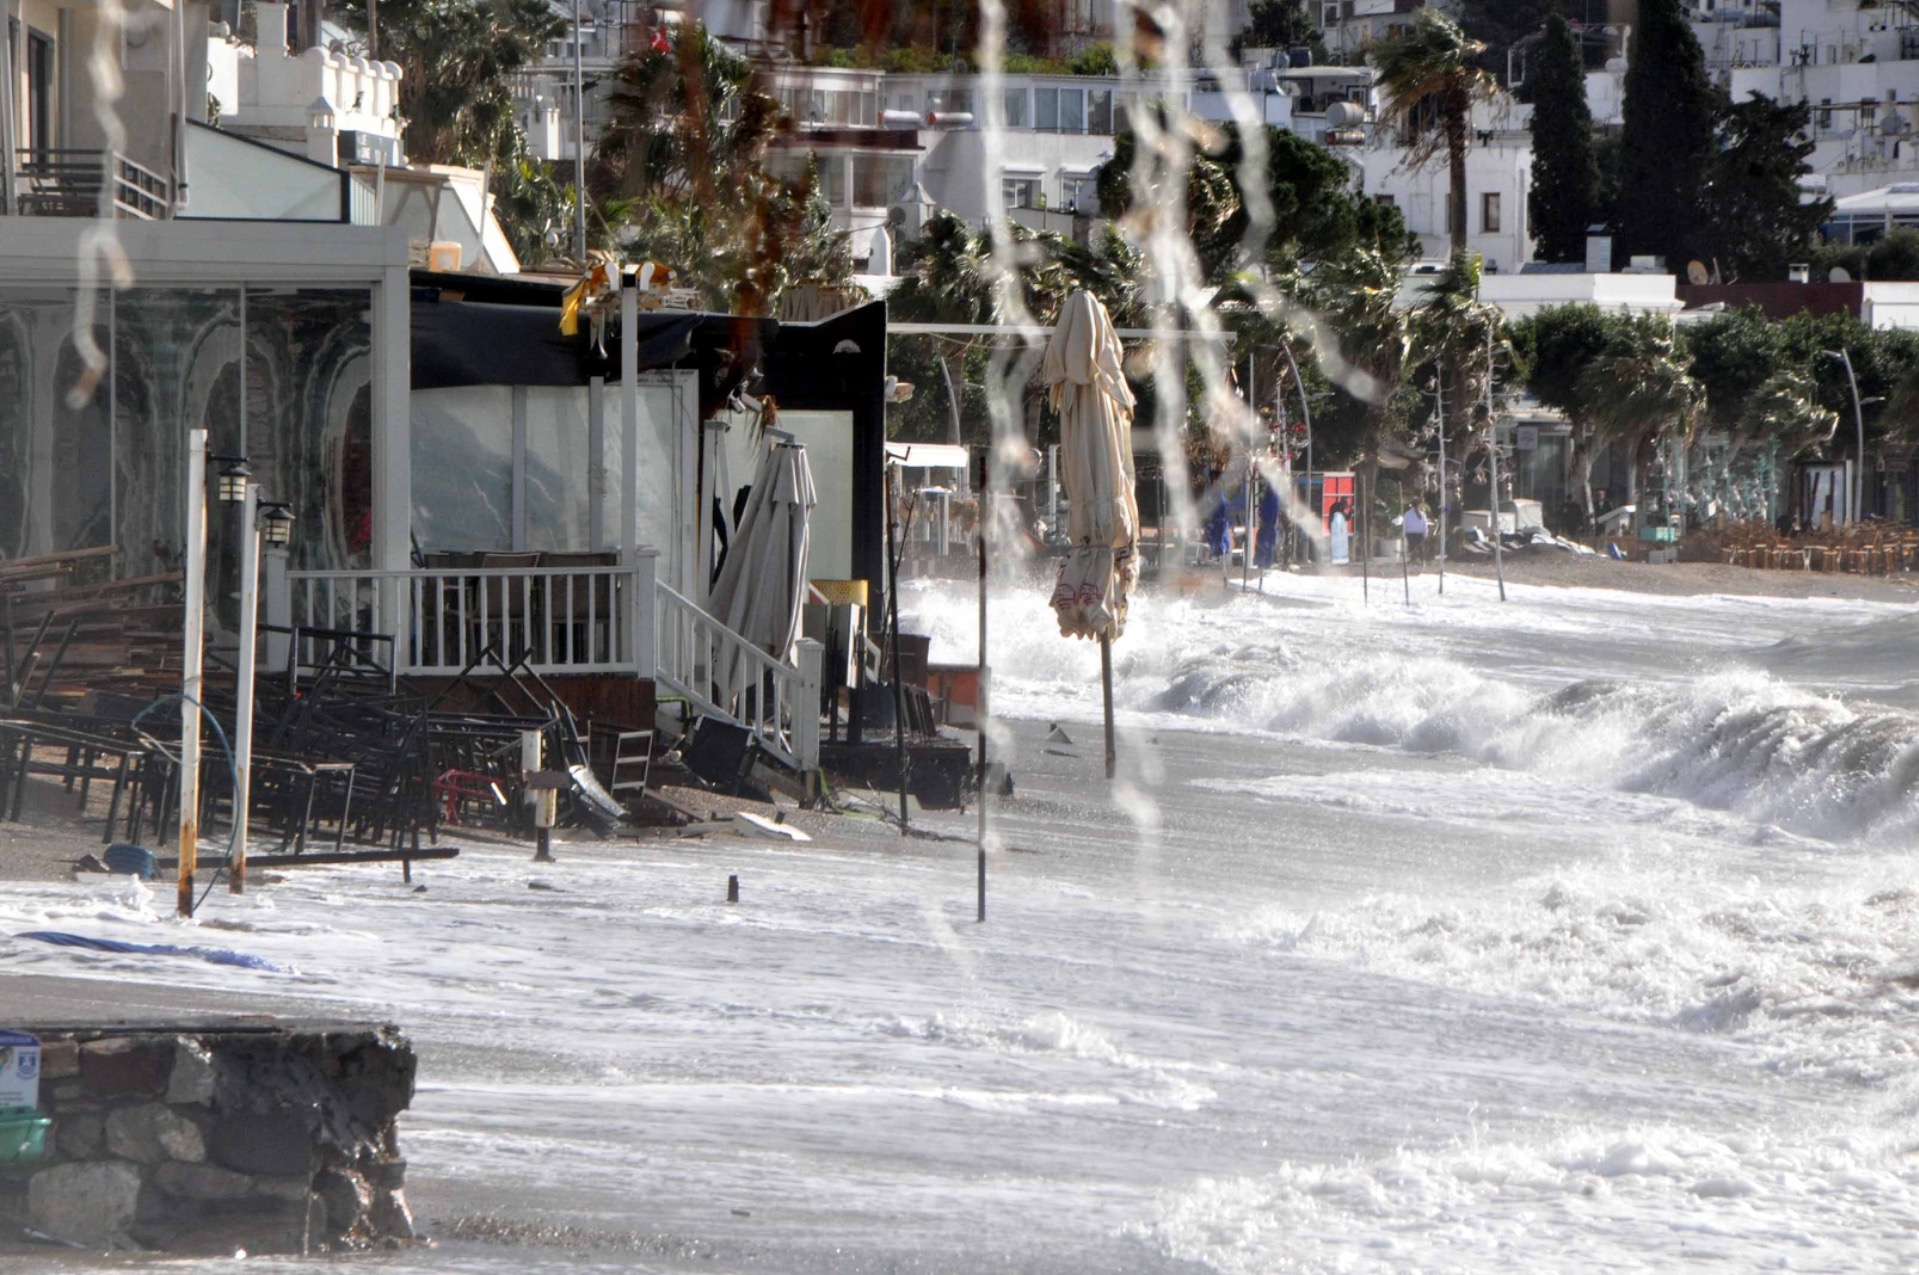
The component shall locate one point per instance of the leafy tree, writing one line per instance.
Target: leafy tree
(948, 274)
(1501, 24)
(1756, 217)
(457, 59)
(1434, 61)
(1317, 214)
(1565, 189)
(1667, 145)
(1358, 295)
(1783, 411)
(1560, 343)
(1279, 24)
(1894, 258)
(1212, 204)
(1461, 336)
(682, 176)
(1640, 390)
(1732, 356)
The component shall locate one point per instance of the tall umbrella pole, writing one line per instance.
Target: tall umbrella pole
(1363, 528)
(985, 528)
(1106, 687)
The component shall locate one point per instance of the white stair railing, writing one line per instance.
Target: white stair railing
(720, 673)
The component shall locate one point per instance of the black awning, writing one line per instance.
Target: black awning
(467, 343)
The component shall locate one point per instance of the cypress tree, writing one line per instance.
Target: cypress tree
(1565, 189)
(1667, 144)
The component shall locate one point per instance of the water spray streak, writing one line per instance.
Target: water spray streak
(100, 243)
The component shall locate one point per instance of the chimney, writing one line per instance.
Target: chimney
(1598, 254)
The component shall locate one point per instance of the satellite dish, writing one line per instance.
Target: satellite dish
(1696, 273)
(1838, 274)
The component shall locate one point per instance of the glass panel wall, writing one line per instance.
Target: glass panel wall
(56, 438)
(463, 469)
(559, 507)
(93, 451)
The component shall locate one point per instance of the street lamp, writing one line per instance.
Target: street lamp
(1858, 493)
(272, 522)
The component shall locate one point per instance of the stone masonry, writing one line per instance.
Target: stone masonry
(266, 1136)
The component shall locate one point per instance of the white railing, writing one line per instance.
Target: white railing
(444, 620)
(719, 672)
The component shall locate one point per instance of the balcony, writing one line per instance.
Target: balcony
(70, 183)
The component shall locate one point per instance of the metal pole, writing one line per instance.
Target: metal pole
(243, 690)
(9, 141)
(1439, 405)
(1859, 430)
(1492, 450)
(979, 693)
(1106, 688)
(893, 605)
(1360, 527)
(192, 655)
(1245, 557)
(1305, 415)
(579, 143)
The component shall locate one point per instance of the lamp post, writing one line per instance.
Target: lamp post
(192, 656)
(271, 522)
(1858, 493)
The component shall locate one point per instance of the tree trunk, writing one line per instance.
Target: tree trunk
(1456, 125)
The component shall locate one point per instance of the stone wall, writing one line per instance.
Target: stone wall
(266, 1136)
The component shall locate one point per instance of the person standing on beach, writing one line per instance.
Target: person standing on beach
(1413, 523)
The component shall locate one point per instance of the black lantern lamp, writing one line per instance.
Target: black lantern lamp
(233, 480)
(276, 524)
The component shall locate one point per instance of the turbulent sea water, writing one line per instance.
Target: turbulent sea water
(1576, 933)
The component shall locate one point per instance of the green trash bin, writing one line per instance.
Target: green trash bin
(23, 1134)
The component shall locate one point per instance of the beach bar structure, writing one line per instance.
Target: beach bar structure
(467, 482)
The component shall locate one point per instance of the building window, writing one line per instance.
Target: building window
(40, 90)
(833, 180)
(957, 101)
(1015, 108)
(1019, 192)
(1489, 213)
(1385, 201)
(1080, 191)
(1046, 110)
(1072, 111)
(1099, 112)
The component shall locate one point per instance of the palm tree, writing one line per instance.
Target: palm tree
(949, 276)
(1641, 390)
(1462, 337)
(1433, 62)
(458, 58)
(1358, 295)
(682, 175)
(1785, 412)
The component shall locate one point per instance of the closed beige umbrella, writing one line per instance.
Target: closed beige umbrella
(1088, 390)
(762, 584)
